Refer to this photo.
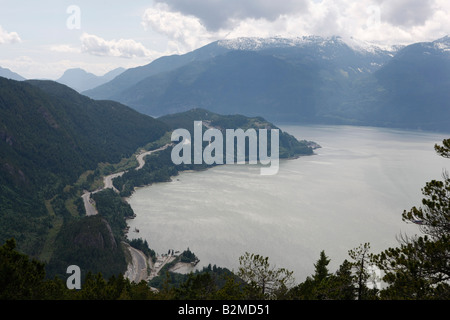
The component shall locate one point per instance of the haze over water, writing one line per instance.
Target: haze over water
(352, 191)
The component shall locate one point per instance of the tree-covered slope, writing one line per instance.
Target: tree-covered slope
(289, 146)
(49, 135)
(82, 80)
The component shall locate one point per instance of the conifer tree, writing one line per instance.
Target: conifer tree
(420, 267)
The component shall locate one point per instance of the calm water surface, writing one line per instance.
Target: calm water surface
(352, 191)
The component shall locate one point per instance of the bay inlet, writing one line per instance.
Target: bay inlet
(353, 190)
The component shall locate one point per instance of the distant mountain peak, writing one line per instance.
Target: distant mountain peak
(76, 71)
(82, 80)
(442, 44)
(8, 74)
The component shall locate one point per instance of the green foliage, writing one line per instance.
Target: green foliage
(210, 283)
(343, 283)
(20, 277)
(158, 168)
(49, 136)
(323, 285)
(263, 280)
(90, 244)
(419, 268)
(142, 245)
(114, 209)
(23, 214)
(443, 150)
(45, 119)
(321, 268)
(361, 256)
(198, 287)
(25, 279)
(289, 146)
(188, 256)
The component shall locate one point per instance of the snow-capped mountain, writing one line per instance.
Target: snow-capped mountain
(356, 56)
(306, 79)
(442, 44)
(346, 55)
(257, 44)
(437, 48)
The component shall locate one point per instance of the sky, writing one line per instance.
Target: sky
(41, 39)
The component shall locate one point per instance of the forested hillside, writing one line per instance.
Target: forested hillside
(56, 143)
(49, 136)
(289, 145)
(305, 80)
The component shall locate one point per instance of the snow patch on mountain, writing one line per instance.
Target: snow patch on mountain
(369, 47)
(442, 44)
(256, 44)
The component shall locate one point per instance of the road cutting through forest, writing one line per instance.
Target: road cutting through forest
(138, 266)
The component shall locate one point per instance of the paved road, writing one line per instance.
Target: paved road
(137, 268)
(140, 157)
(108, 184)
(89, 207)
(107, 181)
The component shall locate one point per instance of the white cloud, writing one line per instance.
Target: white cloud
(65, 48)
(189, 25)
(407, 13)
(8, 37)
(125, 48)
(223, 14)
(184, 32)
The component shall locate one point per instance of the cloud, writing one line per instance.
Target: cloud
(64, 48)
(407, 13)
(125, 48)
(8, 37)
(224, 14)
(185, 32)
(190, 24)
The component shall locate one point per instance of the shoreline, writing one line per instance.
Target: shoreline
(316, 146)
(180, 267)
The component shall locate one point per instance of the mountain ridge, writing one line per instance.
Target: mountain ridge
(318, 81)
(81, 80)
(258, 43)
(169, 63)
(49, 136)
(7, 73)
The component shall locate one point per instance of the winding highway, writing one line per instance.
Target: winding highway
(108, 181)
(138, 266)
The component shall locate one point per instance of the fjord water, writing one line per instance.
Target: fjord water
(353, 190)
